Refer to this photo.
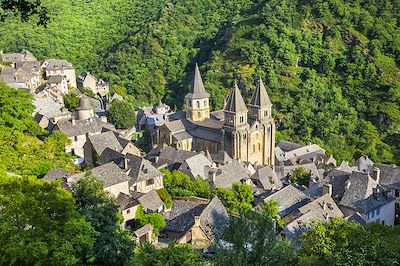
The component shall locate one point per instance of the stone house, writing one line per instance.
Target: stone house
(61, 67)
(98, 87)
(48, 113)
(196, 166)
(59, 83)
(143, 176)
(145, 235)
(128, 206)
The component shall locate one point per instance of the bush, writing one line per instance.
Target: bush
(121, 114)
(166, 197)
(156, 220)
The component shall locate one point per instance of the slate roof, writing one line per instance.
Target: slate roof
(364, 164)
(181, 216)
(56, 173)
(143, 230)
(289, 199)
(25, 55)
(344, 166)
(266, 178)
(206, 134)
(197, 89)
(218, 115)
(85, 103)
(196, 164)
(105, 140)
(150, 201)
(284, 171)
(287, 145)
(338, 181)
(182, 135)
(292, 154)
(214, 218)
(109, 155)
(169, 155)
(55, 79)
(359, 193)
(235, 102)
(82, 127)
(125, 201)
(54, 64)
(356, 217)
(110, 174)
(140, 169)
(221, 157)
(389, 175)
(260, 96)
(229, 173)
(49, 108)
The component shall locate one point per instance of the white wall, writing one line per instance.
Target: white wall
(386, 215)
(118, 188)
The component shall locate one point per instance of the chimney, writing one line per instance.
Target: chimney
(126, 161)
(213, 176)
(73, 120)
(376, 174)
(327, 189)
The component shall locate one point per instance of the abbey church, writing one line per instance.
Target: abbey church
(245, 132)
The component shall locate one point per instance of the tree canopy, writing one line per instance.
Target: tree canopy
(121, 114)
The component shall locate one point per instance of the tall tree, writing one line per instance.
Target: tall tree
(121, 114)
(113, 245)
(40, 225)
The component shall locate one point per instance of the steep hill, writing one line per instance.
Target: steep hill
(332, 67)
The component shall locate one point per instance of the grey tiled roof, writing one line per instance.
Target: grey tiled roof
(260, 96)
(150, 201)
(364, 164)
(55, 64)
(126, 201)
(266, 178)
(235, 102)
(56, 174)
(196, 164)
(338, 180)
(143, 230)
(389, 175)
(109, 155)
(110, 174)
(85, 103)
(218, 115)
(204, 133)
(221, 157)
(181, 216)
(197, 89)
(169, 155)
(140, 169)
(82, 127)
(55, 79)
(289, 199)
(214, 218)
(49, 108)
(356, 217)
(181, 135)
(105, 140)
(287, 145)
(227, 174)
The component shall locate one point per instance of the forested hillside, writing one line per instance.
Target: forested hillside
(331, 67)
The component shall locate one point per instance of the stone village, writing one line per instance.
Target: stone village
(236, 144)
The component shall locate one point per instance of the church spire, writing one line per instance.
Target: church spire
(260, 96)
(197, 90)
(235, 101)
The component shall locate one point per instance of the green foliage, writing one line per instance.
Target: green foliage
(173, 255)
(39, 224)
(156, 220)
(252, 240)
(113, 245)
(121, 114)
(25, 10)
(239, 197)
(330, 66)
(166, 197)
(22, 151)
(180, 184)
(119, 90)
(71, 101)
(348, 243)
(300, 176)
(88, 92)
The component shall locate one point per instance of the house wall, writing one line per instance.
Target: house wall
(386, 215)
(118, 188)
(199, 238)
(90, 82)
(132, 149)
(143, 188)
(129, 213)
(68, 73)
(185, 144)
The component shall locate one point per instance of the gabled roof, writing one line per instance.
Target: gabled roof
(54, 64)
(85, 103)
(338, 181)
(260, 96)
(55, 79)
(110, 174)
(143, 230)
(58, 174)
(49, 108)
(364, 164)
(140, 169)
(196, 165)
(287, 145)
(235, 102)
(289, 199)
(389, 175)
(150, 201)
(197, 90)
(231, 172)
(109, 155)
(126, 201)
(221, 157)
(105, 140)
(214, 218)
(82, 127)
(266, 178)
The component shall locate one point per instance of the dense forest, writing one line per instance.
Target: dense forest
(331, 67)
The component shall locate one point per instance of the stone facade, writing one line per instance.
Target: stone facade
(246, 132)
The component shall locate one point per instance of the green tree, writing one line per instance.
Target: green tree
(166, 197)
(180, 184)
(40, 225)
(113, 245)
(300, 176)
(348, 243)
(25, 9)
(71, 101)
(240, 196)
(251, 239)
(156, 220)
(121, 114)
(173, 255)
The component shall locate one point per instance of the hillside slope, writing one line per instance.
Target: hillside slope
(332, 67)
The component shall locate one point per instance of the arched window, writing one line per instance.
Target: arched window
(205, 103)
(198, 104)
(259, 146)
(190, 103)
(198, 114)
(266, 113)
(254, 148)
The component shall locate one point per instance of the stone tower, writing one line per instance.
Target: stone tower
(261, 120)
(235, 128)
(85, 109)
(197, 100)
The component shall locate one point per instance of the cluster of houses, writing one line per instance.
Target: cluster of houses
(221, 147)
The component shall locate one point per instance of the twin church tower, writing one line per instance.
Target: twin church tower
(244, 132)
